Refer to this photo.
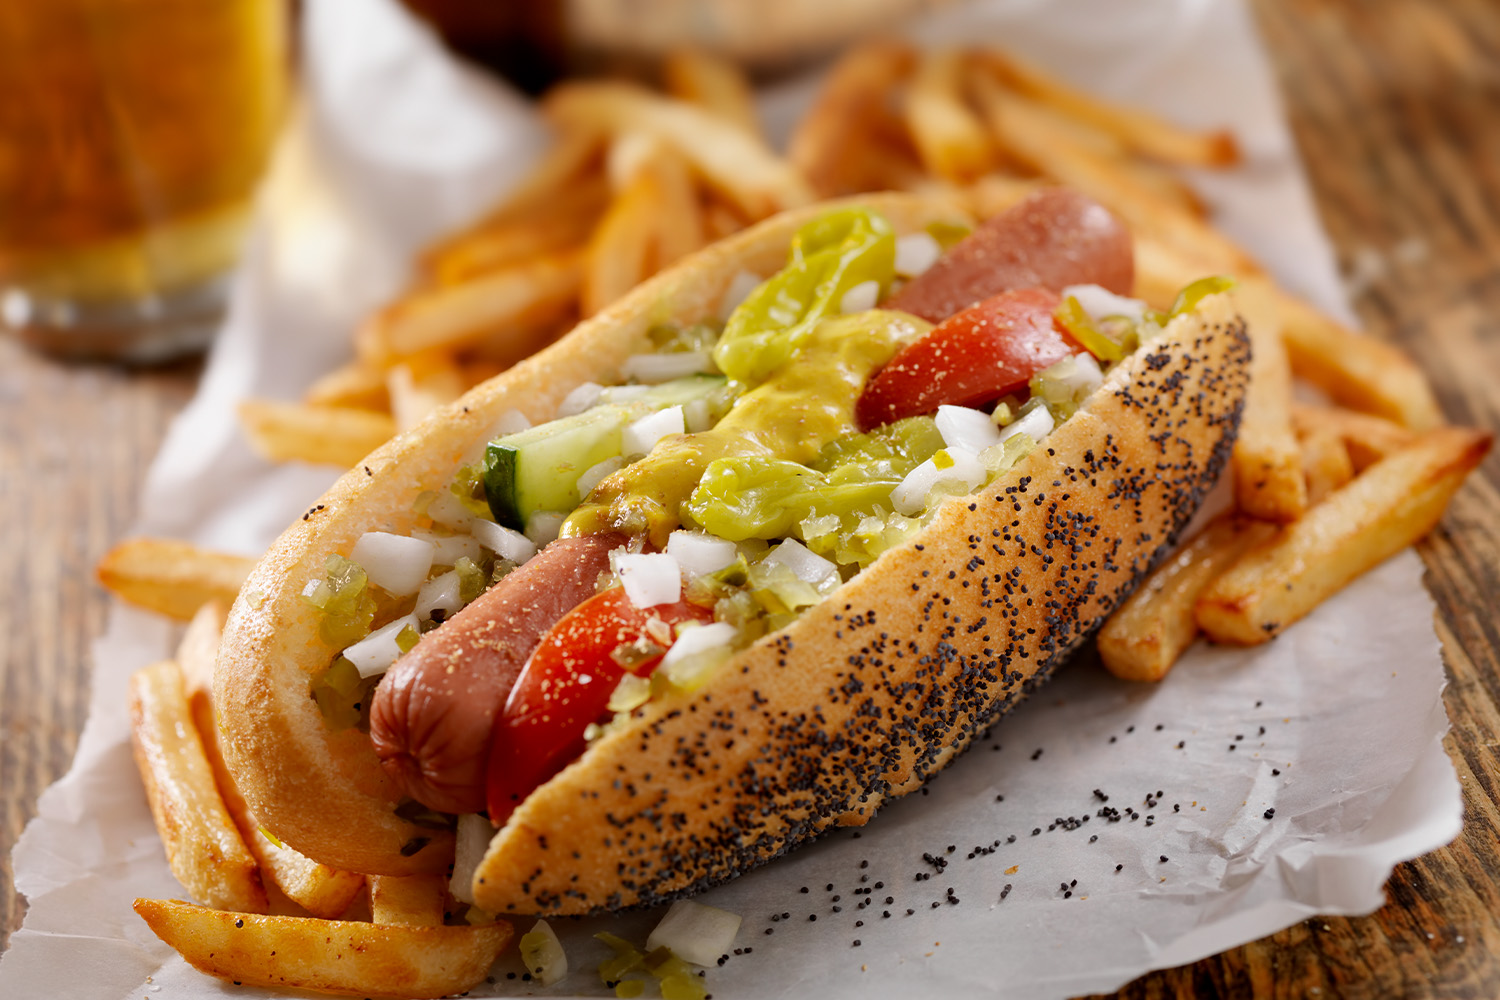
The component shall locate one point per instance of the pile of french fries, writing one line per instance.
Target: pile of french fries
(636, 179)
(224, 859)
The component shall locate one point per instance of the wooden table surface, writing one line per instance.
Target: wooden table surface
(1396, 106)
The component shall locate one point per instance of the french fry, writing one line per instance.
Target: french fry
(949, 137)
(1030, 135)
(852, 104)
(455, 316)
(1358, 372)
(408, 900)
(1146, 635)
(679, 227)
(994, 193)
(576, 152)
(335, 956)
(204, 848)
(356, 385)
(320, 890)
(1267, 462)
(619, 255)
(1145, 133)
(170, 577)
(1368, 438)
(721, 220)
(714, 83)
(738, 165)
(1384, 509)
(281, 431)
(421, 384)
(563, 224)
(1325, 462)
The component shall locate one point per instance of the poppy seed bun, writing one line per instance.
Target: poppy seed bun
(324, 792)
(877, 688)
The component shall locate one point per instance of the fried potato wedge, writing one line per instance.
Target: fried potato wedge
(282, 431)
(408, 900)
(334, 956)
(1384, 509)
(204, 848)
(1146, 635)
(319, 889)
(1269, 483)
(170, 577)
(1358, 372)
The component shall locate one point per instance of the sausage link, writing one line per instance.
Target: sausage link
(1050, 239)
(433, 711)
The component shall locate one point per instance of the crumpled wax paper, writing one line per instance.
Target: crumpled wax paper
(1101, 830)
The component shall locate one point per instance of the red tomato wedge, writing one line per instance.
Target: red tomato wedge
(970, 358)
(565, 685)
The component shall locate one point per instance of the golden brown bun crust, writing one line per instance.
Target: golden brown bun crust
(872, 691)
(325, 793)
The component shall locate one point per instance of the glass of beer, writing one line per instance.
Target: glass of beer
(132, 133)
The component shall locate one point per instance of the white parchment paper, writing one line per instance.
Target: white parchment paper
(1102, 830)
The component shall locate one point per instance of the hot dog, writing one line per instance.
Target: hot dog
(856, 700)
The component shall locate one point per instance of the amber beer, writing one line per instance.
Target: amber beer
(132, 133)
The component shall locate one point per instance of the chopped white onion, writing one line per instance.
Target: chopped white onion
(699, 553)
(470, 844)
(622, 393)
(439, 593)
(699, 639)
(449, 511)
(655, 368)
(595, 474)
(543, 527)
(1036, 425)
(542, 953)
(963, 427)
(915, 253)
(580, 399)
(510, 422)
(808, 565)
(504, 542)
(1080, 374)
(910, 495)
(1100, 302)
(740, 287)
(396, 563)
(650, 578)
(695, 933)
(447, 550)
(861, 297)
(645, 432)
(375, 653)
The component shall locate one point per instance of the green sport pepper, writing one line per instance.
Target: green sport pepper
(829, 256)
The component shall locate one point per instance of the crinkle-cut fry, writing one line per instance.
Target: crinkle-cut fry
(739, 166)
(553, 228)
(1325, 462)
(1142, 131)
(334, 956)
(1149, 632)
(1356, 371)
(420, 385)
(950, 138)
(853, 103)
(355, 384)
(1269, 482)
(204, 848)
(714, 83)
(1028, 134)
(322, 891)
(281, 431)
(170, 577)
(455, 316)
(619, 255)
(408, 900)
(1381, 511)
(1367, 437)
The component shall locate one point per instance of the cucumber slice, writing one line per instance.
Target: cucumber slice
(537, 469)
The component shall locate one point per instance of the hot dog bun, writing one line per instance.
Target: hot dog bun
(860, 700)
